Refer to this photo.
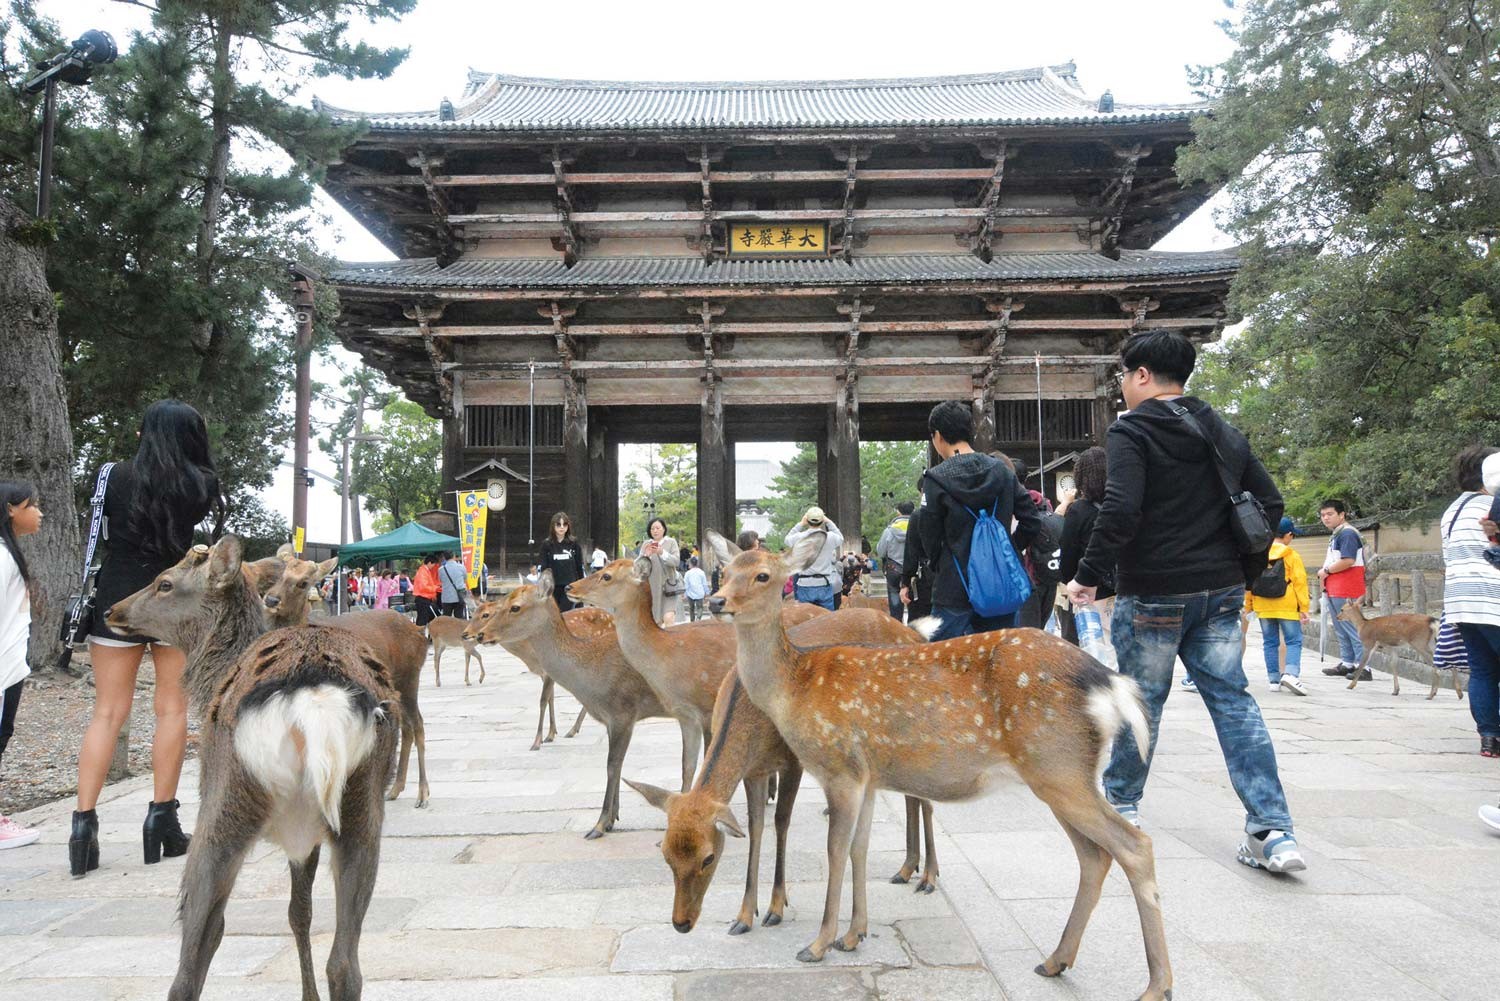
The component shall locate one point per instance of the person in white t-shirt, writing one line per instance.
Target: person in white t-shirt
(597, 559)
(695, 589)
(20, 514)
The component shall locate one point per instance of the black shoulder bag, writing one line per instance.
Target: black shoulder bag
(78, 617)
(1247, 518)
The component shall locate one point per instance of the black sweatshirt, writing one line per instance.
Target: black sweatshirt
(1164, 523)
(957, 485)
(1078, 526)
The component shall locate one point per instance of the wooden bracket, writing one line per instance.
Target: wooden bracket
(1116, 196)
(437, 204)
(1138, 308)
(989, 200)
(424, 315)
(569, 236)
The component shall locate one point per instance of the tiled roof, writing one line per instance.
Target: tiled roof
(635, 272)
(495, 102)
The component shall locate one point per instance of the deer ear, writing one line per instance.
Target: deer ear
(285, 552)
(326, 567)
(724, 820)
(659, 798)
(719, 548)
(641, 568)
(805, 551)
(265, 574)
(224, 561)
(545, 584)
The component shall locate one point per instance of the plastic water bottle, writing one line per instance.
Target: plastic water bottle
(1091, 634)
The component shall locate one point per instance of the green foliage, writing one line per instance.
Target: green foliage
(401, 474)
(670, 477)
(170, 262)
(888, 472)
(795, 490)
(1357, 140)
(261, 530)
(35, 233)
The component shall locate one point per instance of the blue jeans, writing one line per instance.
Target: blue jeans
(893, 596)
(1150, 633)
(1350, 648)
(821, 595)
(964, 622)
(1271, 632)
(1482, 643)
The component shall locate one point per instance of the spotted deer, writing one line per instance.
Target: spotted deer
(941, 721)
(1419, 632)
(398, 643)
(582, 654)
(684, 665)
(746, 747)
(296, 747)
(447, 632)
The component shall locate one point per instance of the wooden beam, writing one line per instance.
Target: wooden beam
(987, 380)
(846, 233)
(989, 201)
(436, 356)
(437, 203)
(1117, 197)
(569, 237)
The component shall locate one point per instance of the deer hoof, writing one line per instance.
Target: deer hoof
(901, 877)
(926, 887)
(392, 795)
(1042, 970)
(423, 803)
(593, 835)
(738, 928)
(808, 956)
(849, 942)
(771, 920)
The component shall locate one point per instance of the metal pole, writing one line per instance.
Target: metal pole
(343, 520)
(531, 463)
(302, 299)
(49, 123)
(1041, 461)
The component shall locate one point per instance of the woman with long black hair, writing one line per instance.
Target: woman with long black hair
(20, 514)
(151, 505)
(563, 556)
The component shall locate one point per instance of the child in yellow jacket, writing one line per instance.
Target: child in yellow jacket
(1279, 598)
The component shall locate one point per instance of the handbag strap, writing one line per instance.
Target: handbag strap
(97, 518)
(1454, 520)
(1222, 467)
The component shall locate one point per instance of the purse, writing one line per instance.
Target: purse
(1247, 517)
(78, 616)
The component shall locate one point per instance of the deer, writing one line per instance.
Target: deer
(296, 747)
(942, 721)
(398, 643)
(580, 652)
(746, 747)
(684, 665)
(1419, 632)
(446, 631)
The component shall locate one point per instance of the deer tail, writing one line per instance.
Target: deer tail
(307, 741)
(927, 625)
(1118, 706)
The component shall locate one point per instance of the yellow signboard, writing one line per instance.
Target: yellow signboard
(472, 514)
(778, 239)
(298, 538)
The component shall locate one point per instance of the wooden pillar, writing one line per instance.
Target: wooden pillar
(577, 469)
(604, 491)
(715, 477)
(453, 445)
(844, 460)
(984, 415)
(1104, 411)
(826, 486)
(731, 506)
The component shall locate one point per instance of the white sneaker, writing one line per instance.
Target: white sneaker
(1187, 684)
(1274, 687)
(1293, 684)
(1491, 816)
(13, 835)
(1276, 852)
(1130, 812)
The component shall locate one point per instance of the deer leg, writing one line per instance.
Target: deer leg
(692, 741)
(419, 732)
(859, 918)
(1093, 866)
(437, 664)
(755, 809)
(577, 724)
(929, 874)
(1437, 677)
(619, 742)
(541, 713)
(219, 845)
(913, 842)
(356, 861)
(1083, 808)
(299, 915)
(399, 782)
(843, 812)
(474, 649)
(1354, 674)
(551, 714)
(1456, 690)
(786, 795)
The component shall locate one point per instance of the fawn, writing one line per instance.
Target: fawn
(296, 747)
(1416, 631)
(941, 721)
(446, 631)
(580, 651)
(685, 664)
(399, 645)
(747, 747)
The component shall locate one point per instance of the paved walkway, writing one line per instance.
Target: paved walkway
(493, 893)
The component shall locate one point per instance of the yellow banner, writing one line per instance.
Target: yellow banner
(778, 239)
(472, 514)
(298, 538)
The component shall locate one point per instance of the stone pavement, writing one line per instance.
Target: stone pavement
(492, 893)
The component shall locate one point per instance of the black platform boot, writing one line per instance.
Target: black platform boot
(83, 843)
(161, 834)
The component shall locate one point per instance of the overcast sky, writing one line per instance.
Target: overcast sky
(1138, 50)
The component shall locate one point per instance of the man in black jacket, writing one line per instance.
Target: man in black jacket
(1180, 576)
(965, 481)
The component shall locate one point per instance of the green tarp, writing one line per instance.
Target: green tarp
(410, 540)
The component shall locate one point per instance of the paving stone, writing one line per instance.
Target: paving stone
(659, 948)
(928, 985)
(938, 941)
(603, 988)
(551, 910)
(461, 955)
(237, 956)
(805, 985)
(26, 917)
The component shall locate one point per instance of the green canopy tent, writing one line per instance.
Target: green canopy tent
(409, 540)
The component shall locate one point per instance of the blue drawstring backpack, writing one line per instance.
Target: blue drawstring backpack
(997, 584)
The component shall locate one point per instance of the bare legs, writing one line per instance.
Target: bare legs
(115, 670)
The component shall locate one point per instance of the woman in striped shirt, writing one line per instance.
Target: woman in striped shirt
(1471, 593)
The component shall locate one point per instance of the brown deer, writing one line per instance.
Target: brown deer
(580, 652)
(446, 631)
(1419, 632)
(941, 721)
(747, 748)
(296, 747)
(399, 645)
(684, 665)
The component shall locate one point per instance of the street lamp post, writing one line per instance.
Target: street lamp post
(75, 66)
(302, 299)
(344, 506)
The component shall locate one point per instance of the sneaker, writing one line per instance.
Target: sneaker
(1293, 684)
(1132, 812)
(1188, 685)
(1489, 747)
(13, 835)
(1274, 687)
(1341, 671)
(1491, 816)
(1274, 851)
(1365, 675)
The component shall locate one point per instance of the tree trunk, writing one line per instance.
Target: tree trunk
(356, 525)
(207, 335)
(36, 439)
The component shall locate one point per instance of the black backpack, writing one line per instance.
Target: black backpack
(1272, 580)
(1045, 552)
